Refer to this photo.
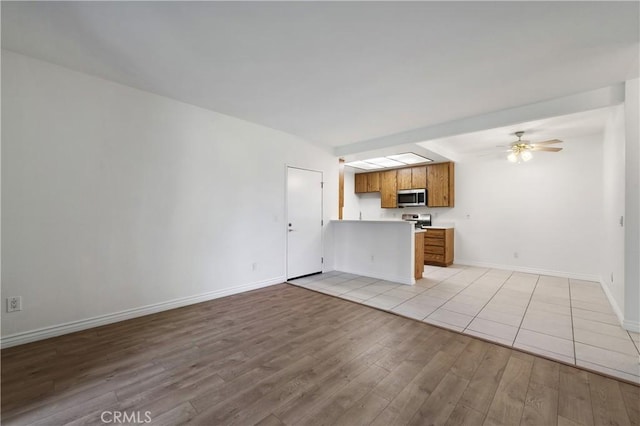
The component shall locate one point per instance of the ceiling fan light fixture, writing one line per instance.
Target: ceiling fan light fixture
(521, 151)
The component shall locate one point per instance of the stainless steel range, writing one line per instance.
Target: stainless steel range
(422, 220)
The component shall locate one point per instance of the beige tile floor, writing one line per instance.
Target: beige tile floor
(560, 318)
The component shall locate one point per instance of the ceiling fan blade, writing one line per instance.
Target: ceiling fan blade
(546, 148)
(549, 142)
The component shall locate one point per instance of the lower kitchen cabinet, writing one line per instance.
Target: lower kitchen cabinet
(438, 247)
(419, 254)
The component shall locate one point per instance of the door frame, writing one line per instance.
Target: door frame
(286, 215)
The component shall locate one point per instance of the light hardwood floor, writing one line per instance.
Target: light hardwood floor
(288, 355)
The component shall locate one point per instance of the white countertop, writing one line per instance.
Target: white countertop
(411, 222)
(375, 221)
(439, 227)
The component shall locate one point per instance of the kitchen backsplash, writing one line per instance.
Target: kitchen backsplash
(369, 207)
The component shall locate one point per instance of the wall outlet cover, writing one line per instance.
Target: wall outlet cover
(14, 303)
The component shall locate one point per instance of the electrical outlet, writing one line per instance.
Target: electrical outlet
(14, 303)
(515, 254)
(254, 266)
(373, 258)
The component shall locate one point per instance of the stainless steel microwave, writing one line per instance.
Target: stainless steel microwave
(412, 197)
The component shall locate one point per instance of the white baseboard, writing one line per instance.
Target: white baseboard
(631, 326)
(612, 301)
(70, 327)
(526, 269)
(625, 323)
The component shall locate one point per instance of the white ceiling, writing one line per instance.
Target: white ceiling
(492, 143)
(338, 72)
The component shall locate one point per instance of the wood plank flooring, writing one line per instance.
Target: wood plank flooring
(287, 355)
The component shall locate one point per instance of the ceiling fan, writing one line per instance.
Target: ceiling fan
(521, 150)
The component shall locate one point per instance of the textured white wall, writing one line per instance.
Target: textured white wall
(115, 199)
(632, 206)
(613, 179)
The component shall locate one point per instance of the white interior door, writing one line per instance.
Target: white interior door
(304, 222)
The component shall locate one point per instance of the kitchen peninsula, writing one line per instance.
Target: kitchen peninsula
(384, 249)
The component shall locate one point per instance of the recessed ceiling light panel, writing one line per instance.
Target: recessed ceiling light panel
(397, 160)
(410, 158)
(384, 162)
(363, 165)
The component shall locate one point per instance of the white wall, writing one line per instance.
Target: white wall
(613, 179)
(115, 199)
(632, 206)
(351, 208)
(383, 250)
(548, 210)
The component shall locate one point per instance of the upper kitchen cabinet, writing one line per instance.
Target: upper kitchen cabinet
(388, 189)
(373, 182)
(361, 182)
(438, 179)
(440, 185)
(367, 182)
(418, 177)
(404, 178)
(412, 178)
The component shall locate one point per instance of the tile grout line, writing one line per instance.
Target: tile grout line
(525, 311)
(605, 366)
(489, 301)
(447, 301)
(634, 342)
(467, 286)
(416, 295)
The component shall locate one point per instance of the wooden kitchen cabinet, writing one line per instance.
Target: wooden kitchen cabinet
(438, 247)
(373, 182)
(367, 182)
(404, 178)
(388, 189)
(438, 179)
(361, 182)
(419, 255)
(412, 178)
(440, 185)
(419, 177)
